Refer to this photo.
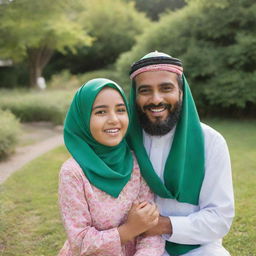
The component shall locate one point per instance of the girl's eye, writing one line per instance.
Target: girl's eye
(100, 112)
(121, 110)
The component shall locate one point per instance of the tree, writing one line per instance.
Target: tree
(32, 30)
(154, 8)
(114, 26)
(216, 42)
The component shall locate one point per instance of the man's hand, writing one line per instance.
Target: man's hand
(164, 226)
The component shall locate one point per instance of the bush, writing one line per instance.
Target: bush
(37, 105)
(216, 43)
(14, 76)
(111, 74)
(9, 131)
(52, 104)
(65, 80)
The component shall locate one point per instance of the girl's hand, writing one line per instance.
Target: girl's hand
(141, 217)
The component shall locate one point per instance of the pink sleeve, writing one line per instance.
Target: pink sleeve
(83, 238)
(152, 245)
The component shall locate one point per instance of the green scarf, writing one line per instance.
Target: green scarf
(184, 168)
(107, 168)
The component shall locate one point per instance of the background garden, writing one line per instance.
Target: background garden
(70, 42)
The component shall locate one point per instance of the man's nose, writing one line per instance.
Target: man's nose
(156, 98)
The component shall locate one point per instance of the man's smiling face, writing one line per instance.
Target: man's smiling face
(158, 98)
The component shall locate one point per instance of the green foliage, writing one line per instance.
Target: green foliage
(32, 24)
(52, 104)
(37, 106)
(14, 76)
(28, 199)
(154, 8)
(113, 25)
(216, 42)
(66, 80)
(9, 131)
(32, 30)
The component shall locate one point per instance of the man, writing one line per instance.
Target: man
(185, 162)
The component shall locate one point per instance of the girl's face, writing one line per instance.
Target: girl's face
(109, 118)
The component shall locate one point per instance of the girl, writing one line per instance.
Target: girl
(105, 204)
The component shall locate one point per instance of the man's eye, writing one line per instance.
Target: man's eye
(167, 88)
(142, 91)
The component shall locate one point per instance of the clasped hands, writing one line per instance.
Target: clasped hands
(141, 218)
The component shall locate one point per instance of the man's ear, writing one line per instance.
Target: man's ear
(181, 95)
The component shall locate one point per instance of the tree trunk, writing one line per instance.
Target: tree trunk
(38, 58)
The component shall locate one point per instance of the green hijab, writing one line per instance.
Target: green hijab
(108, 168)
(184, 167)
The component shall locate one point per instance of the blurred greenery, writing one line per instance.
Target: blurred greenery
(32, 30)
(216, 42)
(113, 25)
(214, 39)
(9, 132)
(155, 8)
(52, 104)
(35, 105)
(66, 80)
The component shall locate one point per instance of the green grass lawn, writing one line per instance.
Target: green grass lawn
(29, 216)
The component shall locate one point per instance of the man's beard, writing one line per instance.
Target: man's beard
(159, 128)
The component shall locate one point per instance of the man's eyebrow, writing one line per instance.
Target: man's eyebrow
(161, 84)
(167, 83)
(143, 86)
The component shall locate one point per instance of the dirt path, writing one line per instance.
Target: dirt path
(36, 139)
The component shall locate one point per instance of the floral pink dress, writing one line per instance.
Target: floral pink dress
(91, 216)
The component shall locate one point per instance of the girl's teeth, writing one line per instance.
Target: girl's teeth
(112, 131)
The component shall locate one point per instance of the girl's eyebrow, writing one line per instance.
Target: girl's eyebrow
(100, 106)
(105, 106)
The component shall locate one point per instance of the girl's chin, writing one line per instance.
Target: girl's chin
(112, 142)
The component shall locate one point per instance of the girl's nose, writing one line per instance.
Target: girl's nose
(112, 118)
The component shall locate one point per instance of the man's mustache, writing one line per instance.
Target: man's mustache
(160, 105)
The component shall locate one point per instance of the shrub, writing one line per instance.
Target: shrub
(52, 104)
(111, 74)
(37, 105)
(216, 42)
(65, 80)
(9, 131)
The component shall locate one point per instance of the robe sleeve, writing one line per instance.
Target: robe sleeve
(151, 245)
(83, 238)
